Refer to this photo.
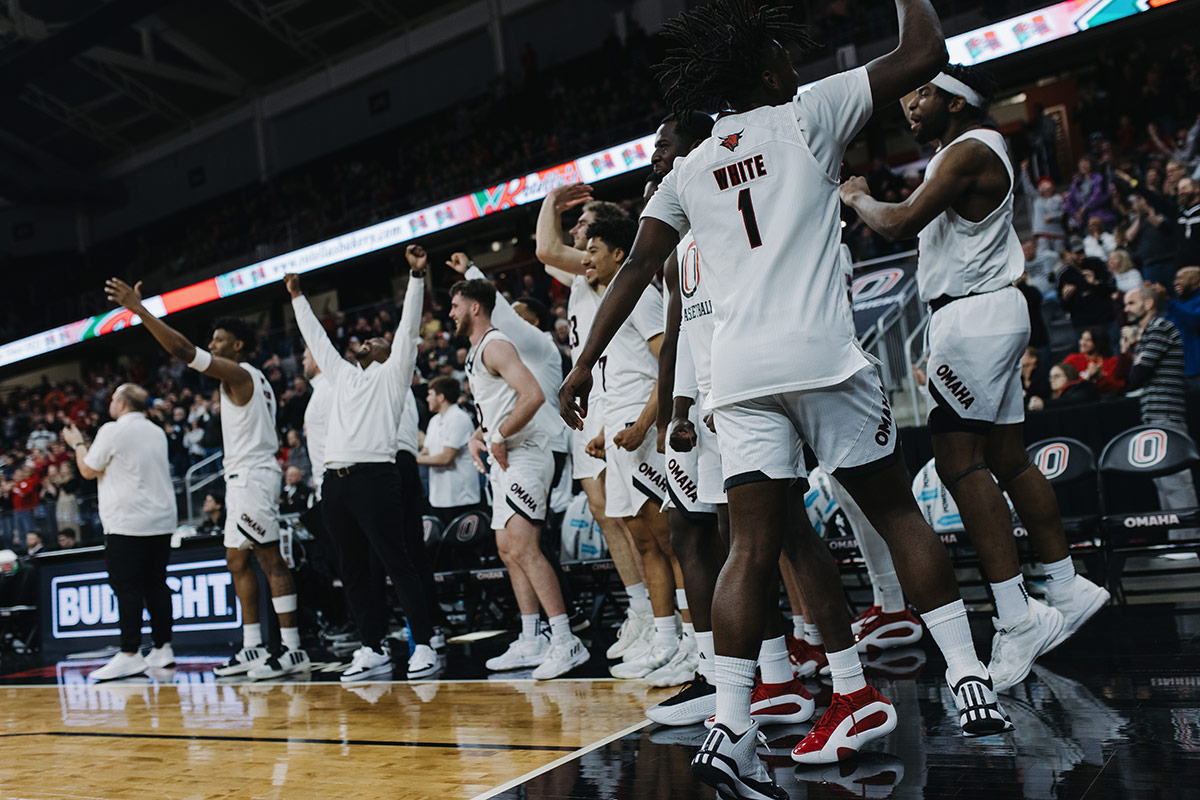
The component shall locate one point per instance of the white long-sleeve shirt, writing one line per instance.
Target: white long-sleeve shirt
(316, 427)
(367, 404)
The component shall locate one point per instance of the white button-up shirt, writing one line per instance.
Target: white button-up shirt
(136, 496)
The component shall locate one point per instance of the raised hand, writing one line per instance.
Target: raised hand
(417, 257)
(292, 282)
(567, 197)
(121, 293)
(459, 263)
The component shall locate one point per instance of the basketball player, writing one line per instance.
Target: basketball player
(565, 264)
(507, 397)
(764, 182)
(251, 481)
(969, 258)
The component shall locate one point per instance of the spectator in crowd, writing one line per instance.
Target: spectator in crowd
(1181, 213)
(33, 544)
(294, 497)
(294, 401)
(1183, 311)
(214, 515)
(298, 452)
(1151, 236)
(1096, 363)
(1124, 273)
(1085, 293)
(1034, 379)
(1067, 387)
(40, 438)
(67, 540)
(1088, 197)
(453, 480)
(24, 493)
(1039, 266)
(1099, 242)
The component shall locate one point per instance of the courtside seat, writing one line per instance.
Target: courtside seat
(1070, 466)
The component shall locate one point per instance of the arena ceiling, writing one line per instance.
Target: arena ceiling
(83, 82)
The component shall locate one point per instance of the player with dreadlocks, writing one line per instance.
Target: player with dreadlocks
(970, 256)
(761, 197)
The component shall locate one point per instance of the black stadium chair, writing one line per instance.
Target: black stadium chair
(433, 532)
(1070, 466)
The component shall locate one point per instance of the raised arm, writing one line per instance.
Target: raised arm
(313, 333)
(238, 381)
(918, 56)
(528, 338)
(551, 250)
(408, 333)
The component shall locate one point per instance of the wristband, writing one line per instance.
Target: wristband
(202, 360)
(417, 273)
(496, 437)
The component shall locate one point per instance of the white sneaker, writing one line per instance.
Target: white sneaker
(122, 665)
(562, 657)
(695, 702)
(289, 662)
(679, 669)
(368, 663)
(242, 661)
(422, 663)
(632, 630)
(730, 764)
(521, 654)
(979, 711)
(655, 657)
(1015, 649)
(1085, 600)
(161, 657)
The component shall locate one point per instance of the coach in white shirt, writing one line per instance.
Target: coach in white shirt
(128, 458)
(453, 479)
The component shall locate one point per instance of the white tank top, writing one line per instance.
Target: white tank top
(581, 312)
(494, 398)
(958, 257)
(248, 431)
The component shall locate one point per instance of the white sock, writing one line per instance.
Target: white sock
(735, 681)
(891, 596)
(639, 599)
(681, 599)
(689, 629)
(797, 626)
(773, 661)
(846, 669)
(251, 634)
(1060, 578)
(949, 628)
(876, 593)
(529, 625)
(290, 637)
(1012, 600)
(707, 665)
(560, 628)
(812, 635)
(665, 632)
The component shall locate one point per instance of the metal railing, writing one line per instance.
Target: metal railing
(192, 484)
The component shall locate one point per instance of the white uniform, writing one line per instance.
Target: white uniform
(316, 427)
(523, 488)
(457, 483)
(251, 471)
(761, 196)
(976, 342)
(581, 311)
(628, 371)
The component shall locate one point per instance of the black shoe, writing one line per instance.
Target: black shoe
(579, 621)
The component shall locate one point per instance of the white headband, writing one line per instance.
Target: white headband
(957, 87)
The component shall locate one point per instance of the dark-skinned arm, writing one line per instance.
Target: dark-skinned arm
(655, 241)
(955, 176)
(670, 343)
(239, 385)
(918, 56)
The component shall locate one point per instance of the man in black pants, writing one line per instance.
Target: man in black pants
(363, 497)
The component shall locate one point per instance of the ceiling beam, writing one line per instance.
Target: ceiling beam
(157, 69)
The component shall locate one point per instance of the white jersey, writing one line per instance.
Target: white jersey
(696, 323)
(761, 197)
(581, 313)
(628, 368)
(959, 257)
(248, 432)
(494, 397)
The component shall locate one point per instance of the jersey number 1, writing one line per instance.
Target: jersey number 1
(746, 206)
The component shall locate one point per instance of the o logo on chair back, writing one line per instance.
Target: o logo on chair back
(1052, 460)
(466, 529)
(1147, 448)
(427, 525)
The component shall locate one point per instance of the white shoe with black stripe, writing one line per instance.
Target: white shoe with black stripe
(730, 764)
(242, 661)
(289, 662)
(979, 711)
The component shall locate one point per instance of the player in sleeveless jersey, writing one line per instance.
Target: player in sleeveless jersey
(761, 197)
(252, 481)
(969, 258)
(507, 397)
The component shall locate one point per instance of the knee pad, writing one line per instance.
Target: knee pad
(1012, 476)
(954, 479)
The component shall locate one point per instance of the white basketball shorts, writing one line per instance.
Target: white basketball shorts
(523, 488)
(683, 475)
(584, 466)
(252, 508)
(634, 477)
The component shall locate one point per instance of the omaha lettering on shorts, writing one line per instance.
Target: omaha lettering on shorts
(683, 481)
(955, 386)
(525, 497)
(656, 477)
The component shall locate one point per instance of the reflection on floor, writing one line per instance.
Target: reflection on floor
(1115, 714)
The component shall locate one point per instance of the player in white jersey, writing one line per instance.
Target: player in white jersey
(507, 397)
(252, 479)
(564, 263)
(761, 197)
(969, 258)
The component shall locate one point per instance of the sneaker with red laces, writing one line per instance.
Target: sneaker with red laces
(850, 722)
(778, 704)
(807, 660)
(863, 617)
(886, 630)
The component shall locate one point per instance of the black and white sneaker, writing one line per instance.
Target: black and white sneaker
(289, 662)
(369, 663)
(579, 621)
(242, 661)
(979, 711)
(730, 764)
(695, 702)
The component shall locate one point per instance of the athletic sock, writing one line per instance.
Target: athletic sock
(812, 635)
(1012, 600)
(252, 634)
(681, 600)
(689, 629)
(665, 631)
(529, 623)
(846, 669)
(1060, 578)
(876, 593)
(639, 599)
(706, 665)
(949, 628)
(560, 628)
(890, 595)
(773, 661)
(290, 638)
(735, 682)
(797, 626)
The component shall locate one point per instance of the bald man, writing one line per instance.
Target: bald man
(1184, 311)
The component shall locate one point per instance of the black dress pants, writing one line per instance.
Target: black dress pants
(137, 572)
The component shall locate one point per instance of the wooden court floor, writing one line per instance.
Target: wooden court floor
(186, 736)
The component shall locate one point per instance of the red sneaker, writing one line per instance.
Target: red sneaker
(850, 722)
(778, 704)
(807, 660)
(887, 630)
(863, 617)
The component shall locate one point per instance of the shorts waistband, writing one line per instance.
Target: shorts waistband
(938, 303)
